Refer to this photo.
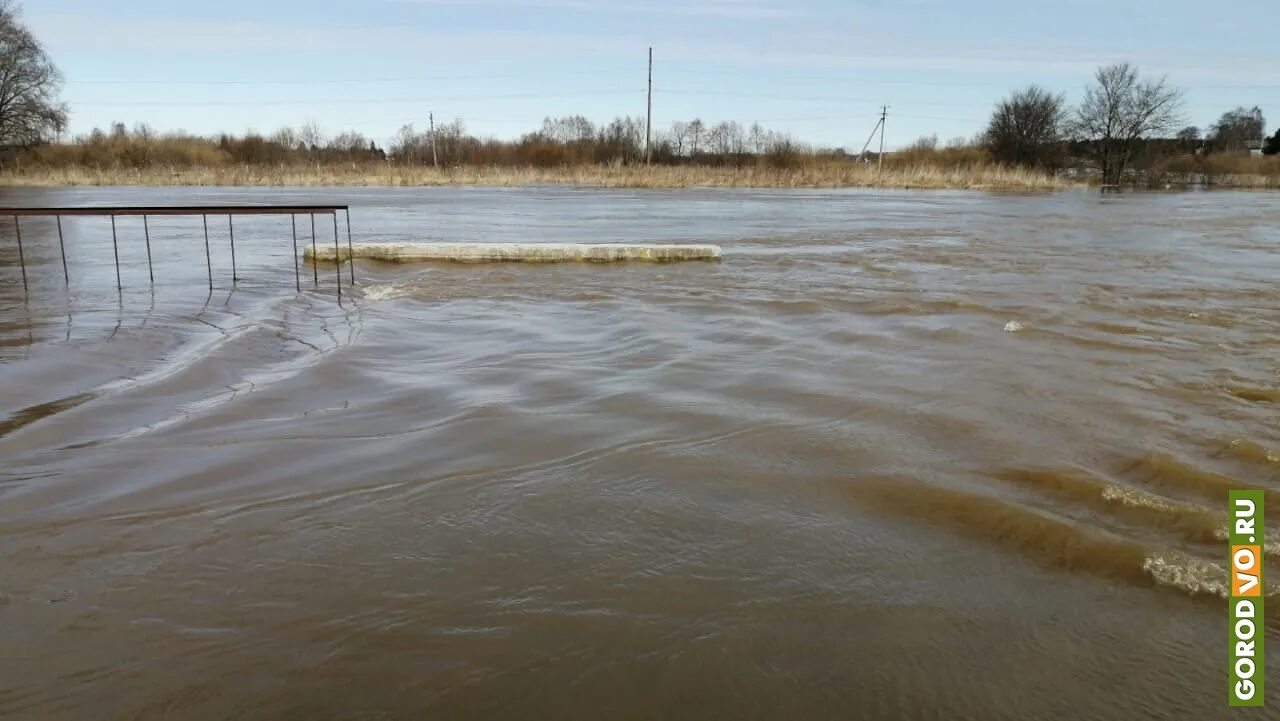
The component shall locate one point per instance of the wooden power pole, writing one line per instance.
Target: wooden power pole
(648, 120)
(884, 114)
(435, 159)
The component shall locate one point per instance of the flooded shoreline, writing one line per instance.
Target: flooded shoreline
(692, 490)
(841, 173)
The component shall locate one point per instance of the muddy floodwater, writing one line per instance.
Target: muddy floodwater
(897, 456)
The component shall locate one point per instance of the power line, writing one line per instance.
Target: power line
(526, 123)
(861, 79)
(864, 79)
(963, 105)
(817, 98)
(940, 117)
(879, 124)
(335, 81)
(293, 81)
(349, 101)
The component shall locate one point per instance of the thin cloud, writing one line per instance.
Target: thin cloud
(737, 9)
(96, 33)
(857, 49)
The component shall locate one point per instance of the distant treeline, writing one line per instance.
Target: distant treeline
(575, 141)
(566, 141)
(1127, 128)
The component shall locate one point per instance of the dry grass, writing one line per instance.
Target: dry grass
(1220, 170)
(1259, 182)
(835, 174)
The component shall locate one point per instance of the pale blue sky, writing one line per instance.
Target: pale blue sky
(818, 69)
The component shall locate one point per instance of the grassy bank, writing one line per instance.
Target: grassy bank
(825, 175)
(1220, 170)
(1251, 181)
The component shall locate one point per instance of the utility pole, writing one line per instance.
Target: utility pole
(648, 120)
(862, 154)
(435, 159)
(884, 114)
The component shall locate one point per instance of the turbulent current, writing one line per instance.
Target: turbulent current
(896, 456)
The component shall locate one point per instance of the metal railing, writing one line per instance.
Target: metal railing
(204, 211)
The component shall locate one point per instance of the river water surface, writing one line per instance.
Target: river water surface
(817, 479)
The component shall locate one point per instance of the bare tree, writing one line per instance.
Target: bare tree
(924, 144)
(569, 129)
(621, 140)
(29, 83)
(287, 138)
(310, 136)
(679, 134)
(1026, 127)
(756, 137)
(738, 139)
(1189, 138)
(1120, 111)
(407, 144)
(718, 139)
(348, 142)
(726, 139)
(452, 142)
(1237, 128)
(696, 130)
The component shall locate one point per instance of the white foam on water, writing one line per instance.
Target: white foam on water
(1270, 539)
(1142, 499)
(387, 291)
(1013, 326)
(1189, 574)
(1194, 575)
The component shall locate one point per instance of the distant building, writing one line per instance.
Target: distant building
(1255, 148)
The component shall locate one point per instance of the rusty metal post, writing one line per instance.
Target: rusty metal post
(115, 248)
(62, 247)
(146, 231)
(231, 228)
(337, 256)
(208, 260)
(22, 258)
(315, 262)
(351, 254)
(297, 279)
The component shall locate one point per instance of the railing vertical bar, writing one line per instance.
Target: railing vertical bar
(351, 255)
(315, 261)
(337, 256)
(22, 258)
(146, 231)
(231, 228)
(208, 259)
(297, 278)
(115, 248)
(66, 276)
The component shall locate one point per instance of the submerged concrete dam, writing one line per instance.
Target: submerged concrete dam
(517, 252)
